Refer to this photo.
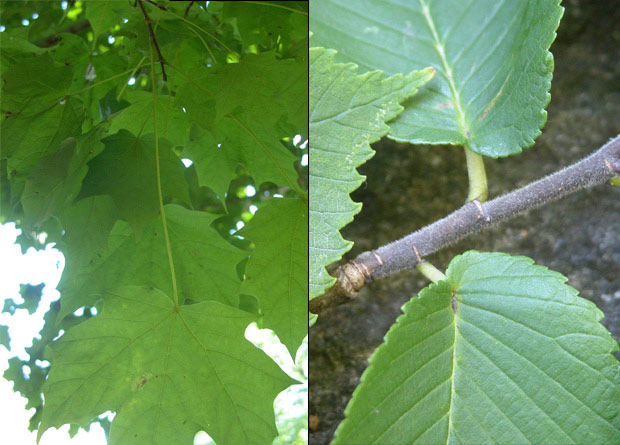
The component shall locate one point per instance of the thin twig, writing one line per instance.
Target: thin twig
(163, 8)
(187, 9)
(409, 251)
(162, 61)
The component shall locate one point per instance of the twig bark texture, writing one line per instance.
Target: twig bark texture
(409, 251)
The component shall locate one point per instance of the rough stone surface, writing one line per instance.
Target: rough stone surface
(409, 187)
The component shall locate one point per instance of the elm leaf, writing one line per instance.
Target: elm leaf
(493, 65)
(347, 113)
(502, 351)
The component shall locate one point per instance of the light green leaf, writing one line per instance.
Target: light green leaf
(277, 271)
(172, 124)
(126, 170)
(503, 351)
(347, 113)
(205, 264)
(168, 372)
(493, 65)
(240, 143)
(105, 14)
(87, 225)
(5, 339)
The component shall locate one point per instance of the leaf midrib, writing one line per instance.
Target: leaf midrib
(447, 70)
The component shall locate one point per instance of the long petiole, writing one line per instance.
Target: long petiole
(159, 191)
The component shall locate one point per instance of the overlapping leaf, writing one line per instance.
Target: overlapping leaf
(150, 362)
(126, 171)
(205, 264)
(25, 140)
(240, 105)
(277, 272)
(492, 60)
(105, 14)
(503, 351)
(87, 225)
(56, 179)
(138, 118)
(34, 85)
(97, 198)
(347, 113)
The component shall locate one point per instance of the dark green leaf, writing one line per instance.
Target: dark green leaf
(493, 65)
(126, 170)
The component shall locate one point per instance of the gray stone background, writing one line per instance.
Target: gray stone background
(409, 187)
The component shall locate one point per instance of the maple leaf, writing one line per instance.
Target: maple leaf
(277, 271)
(205, 263)
(150, 362)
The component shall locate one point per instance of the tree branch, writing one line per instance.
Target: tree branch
(161, 58)
(409, 251)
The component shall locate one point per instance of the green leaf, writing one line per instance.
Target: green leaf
(87, 225)
(25, 140)
(205, 264)
(277, 272)
(31, 294)
(172, 123)
(503, 351)
(126, 170)
(53, 182)
(241, 105)
(493, 65)
(34, 84)
(168, 372)
(15, 44)
(56, 179)
(347, 113)
(5, 339)
(105, 14)
(266, 24)
(217, 159)
(72, 77)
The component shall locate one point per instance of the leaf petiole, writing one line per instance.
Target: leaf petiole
(430, 272)
(477, 176)
(159, 191)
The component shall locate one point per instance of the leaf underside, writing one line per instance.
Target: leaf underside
(151, 363)
(94, 151)
(523, 359)
(347, 113)
(493, 65)
(277, 272)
